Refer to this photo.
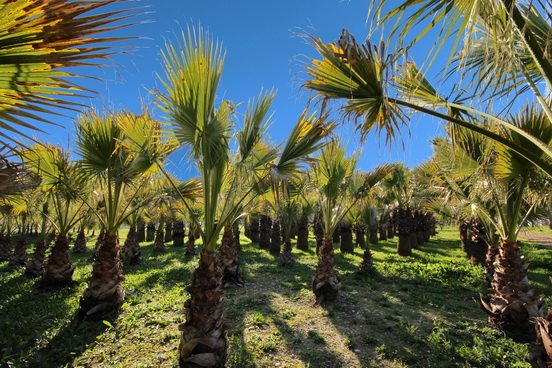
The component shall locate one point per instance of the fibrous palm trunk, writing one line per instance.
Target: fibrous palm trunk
(104, 292)
(252, 229)
(35, 266)
(159, 242)
(346, 239)
(150, 232)
(19, 257)
(5, 248)
(141, 231)
(265, 231)
(336, 237)
(229, 258)
(367, 264)
(541, 356)
(492, 252)
(382, 232)
(286, 258)
(131, 248)
(326, 283)
(275, 238)
(169, 232)
(402, 221)
(178, 234)
(58, 270)
(303, 233)
(360, 236)
(80, 243)
(473, 239)
(373, 236)
(203, 335)
(318, 230)
(512, 304)
(190, 245)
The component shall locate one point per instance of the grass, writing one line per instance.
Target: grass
(411, 312)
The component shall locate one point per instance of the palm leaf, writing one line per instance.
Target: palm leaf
(39, 38)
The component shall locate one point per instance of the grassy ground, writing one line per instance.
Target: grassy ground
(412, 312)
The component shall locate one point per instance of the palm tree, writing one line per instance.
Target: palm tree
(65, 187)
(119, 151)
(40, 38)
(192, 75)
(332, 176)
(495, 181)
(35, 266)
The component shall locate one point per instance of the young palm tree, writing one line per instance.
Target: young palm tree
(65, 187)
(332, 178)
(35, 266)
(192, 75)
(39, 39)
(119, 151)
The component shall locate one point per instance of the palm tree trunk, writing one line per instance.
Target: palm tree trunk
(390, 230)
(150, 232)
(229, 258)
(382, 232)
(275, 238)
(366, 265)
(35, 266)
(541, 356)
(303, 233)
(159, 242)
(190, 245)
(178, 234)
(402, 220)
(203, 335)
(80, 242)
(286, 258)
(5, 248)
(104, 292)
(19, 257)
(131, 248)
(169, 232)
(512, 304)
(336, 237)
(265, 231)
(325, 283)
(346, 239)
(360, 236)
(489, 265)
(252, 229)
(58, 270)
(141, 231)
(373, 237)
(318, 230)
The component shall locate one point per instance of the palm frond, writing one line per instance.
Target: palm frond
(305, 139)
(39, 39)
(360, 74)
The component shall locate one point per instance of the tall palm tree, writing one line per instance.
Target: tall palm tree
(192, 76)
(39, 39)
(119, 151)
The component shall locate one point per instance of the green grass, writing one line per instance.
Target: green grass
(411, 312)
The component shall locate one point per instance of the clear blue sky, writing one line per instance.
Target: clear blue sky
(263, 52)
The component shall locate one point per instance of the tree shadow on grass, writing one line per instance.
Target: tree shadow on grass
(73, 338)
